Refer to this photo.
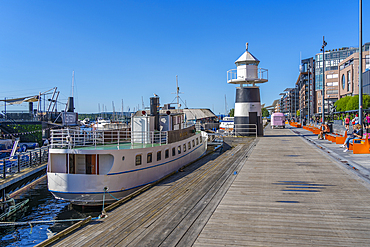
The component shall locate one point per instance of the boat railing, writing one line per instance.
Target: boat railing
(23, 160)
(72, 138)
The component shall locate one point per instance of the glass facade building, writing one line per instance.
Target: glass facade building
(332, 59)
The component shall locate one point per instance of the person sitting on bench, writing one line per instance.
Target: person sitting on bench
(357, 133)
(324, 129)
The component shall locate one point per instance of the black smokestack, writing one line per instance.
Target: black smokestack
(70, 106)
(154, 111)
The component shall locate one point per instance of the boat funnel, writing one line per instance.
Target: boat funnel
(154, 111)
(70, 106)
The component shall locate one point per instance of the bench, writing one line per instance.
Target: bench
(341, 139)
(362, 147)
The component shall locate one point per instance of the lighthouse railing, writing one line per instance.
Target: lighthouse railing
(245, 73)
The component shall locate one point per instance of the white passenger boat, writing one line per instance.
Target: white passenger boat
(83, 164)
(227, 124)
(101, 123)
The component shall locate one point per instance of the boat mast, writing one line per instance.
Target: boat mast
(73, 81)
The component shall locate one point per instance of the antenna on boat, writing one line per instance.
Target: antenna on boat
(177, 93)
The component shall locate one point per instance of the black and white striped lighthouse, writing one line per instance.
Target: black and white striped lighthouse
(247, 113)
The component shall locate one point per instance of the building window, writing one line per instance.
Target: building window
(173, 152)
(349, 80)
(166, 153)
(149, 158)
(159, 155)
(343, 82)
(138, 159)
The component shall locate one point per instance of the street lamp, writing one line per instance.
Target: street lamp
(309, 92)
(323, 79)
(360, 68)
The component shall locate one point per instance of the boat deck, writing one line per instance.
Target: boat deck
(119, 146)
(282, 192)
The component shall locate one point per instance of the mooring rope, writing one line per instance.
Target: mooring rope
(113, 196)
(3, 224)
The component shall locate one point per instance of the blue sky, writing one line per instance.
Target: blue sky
(129, 49)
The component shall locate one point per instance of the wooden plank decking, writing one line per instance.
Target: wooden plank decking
(290, 193)
(286, 192)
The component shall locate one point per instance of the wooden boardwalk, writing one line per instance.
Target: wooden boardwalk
(289, 193)
(285, 192)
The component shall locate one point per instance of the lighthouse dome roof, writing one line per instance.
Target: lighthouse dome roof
(247, 57)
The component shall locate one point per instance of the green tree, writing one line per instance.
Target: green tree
(265, 112)
(231, 113)
(341, 104)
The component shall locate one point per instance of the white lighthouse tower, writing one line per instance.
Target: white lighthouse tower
(247, 101)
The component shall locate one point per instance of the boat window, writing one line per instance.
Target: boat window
(200, 139)
(189, 145)
(179, 149)
(184, 147)
(197, 141)
(138, 159)
(123, 158)
(166, 153)
(159, 155)
(173, 152)
(92, 164)
(72, 163)
(193, 142)
(149, 158)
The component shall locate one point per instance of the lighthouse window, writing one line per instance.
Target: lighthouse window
(166, 153)
(159, 155)
(189, 145)
(184, 146)
(179, 149)
(173, 152)
(193, 143)
(138, 159)
(149, 158)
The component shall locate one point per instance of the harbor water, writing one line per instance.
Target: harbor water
(42, 206)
